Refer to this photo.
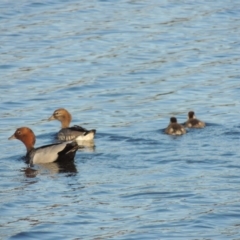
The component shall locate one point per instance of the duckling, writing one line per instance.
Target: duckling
(45, 154)
(193, 122)
(175, 128)
(67, 133)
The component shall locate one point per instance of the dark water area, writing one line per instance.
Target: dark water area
(123, 68)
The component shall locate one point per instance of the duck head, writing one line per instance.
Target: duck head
(191, 114)
(173, 120)
(25, 135)
(63, 116)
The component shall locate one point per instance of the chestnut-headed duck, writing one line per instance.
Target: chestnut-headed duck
(49, 153)
(193, 122)
(75, 132)
(174, 128)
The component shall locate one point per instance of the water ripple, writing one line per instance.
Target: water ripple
(123, 68)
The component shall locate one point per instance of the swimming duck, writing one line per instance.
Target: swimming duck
(67, 133)
(174, 128)
(193, 122)
(49, 153)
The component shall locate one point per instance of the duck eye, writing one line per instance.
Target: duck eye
(56, 113)
(19, 132)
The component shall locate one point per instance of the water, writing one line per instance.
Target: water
(122, 67)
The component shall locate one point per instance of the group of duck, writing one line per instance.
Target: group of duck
(70, 137)
(174, 128)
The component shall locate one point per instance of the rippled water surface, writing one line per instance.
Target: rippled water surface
(123, 67)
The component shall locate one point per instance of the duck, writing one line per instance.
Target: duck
(174, 128)
(193, 122)
(75, 132)
(57, 152)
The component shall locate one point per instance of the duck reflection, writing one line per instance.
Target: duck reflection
(51, 168)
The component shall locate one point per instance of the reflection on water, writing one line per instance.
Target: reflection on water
(51, 168)
(124, 68)
(29, 172)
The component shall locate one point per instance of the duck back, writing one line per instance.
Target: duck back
(52, 153)
(75, 132)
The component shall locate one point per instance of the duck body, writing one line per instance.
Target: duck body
(174, 128)
(67, 133)
(193, 122)
(76, 133)
(45, 154)
(51, 153)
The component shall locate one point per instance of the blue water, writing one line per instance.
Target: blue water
(123, 67)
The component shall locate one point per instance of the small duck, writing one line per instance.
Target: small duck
(67, 133)
(46, 154)
(193, 122)
(174, 128)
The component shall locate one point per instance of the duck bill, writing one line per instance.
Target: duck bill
(12, 137)
(51, 118)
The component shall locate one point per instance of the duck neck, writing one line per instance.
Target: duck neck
(29, 142)
(29, 148)
(66, 120)
(65, 123)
